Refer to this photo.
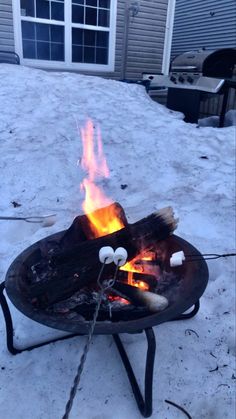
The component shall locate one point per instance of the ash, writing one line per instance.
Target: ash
(84, 301)
(84, 296)
(87, 297)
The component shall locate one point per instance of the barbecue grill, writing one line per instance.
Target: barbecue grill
(193, 76)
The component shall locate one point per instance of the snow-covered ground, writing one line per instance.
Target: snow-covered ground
(163, 161)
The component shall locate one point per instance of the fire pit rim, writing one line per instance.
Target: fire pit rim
(199, 279)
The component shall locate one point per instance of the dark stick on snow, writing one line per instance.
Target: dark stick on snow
(190, 331)
(180, 408)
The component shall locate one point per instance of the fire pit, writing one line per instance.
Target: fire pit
(192, 280)
(48, 280)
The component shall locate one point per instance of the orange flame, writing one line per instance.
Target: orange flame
(132, 267)
(94, 162)
(106, 220)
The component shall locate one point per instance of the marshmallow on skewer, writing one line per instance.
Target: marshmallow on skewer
(120, 256)
(177, 259)
(138, 297)
(106, 254)
(48, 221)
(153, 302)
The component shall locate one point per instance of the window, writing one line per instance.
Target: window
(45, 9)
(66, 33)
(90, 46)
(42, 41)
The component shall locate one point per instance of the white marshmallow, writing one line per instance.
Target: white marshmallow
(177, 259)
(106, 254)
(120, 256)
(49, 221)
(154, 302)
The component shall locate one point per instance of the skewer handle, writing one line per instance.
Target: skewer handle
(11, 218)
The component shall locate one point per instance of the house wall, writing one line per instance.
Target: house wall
(146, 38)
(6, 26)
(146, 33)
(204, 23)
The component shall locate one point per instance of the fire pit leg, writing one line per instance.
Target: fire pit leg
(144, 404)
(8, 321)
(9, 328)
(190, 314)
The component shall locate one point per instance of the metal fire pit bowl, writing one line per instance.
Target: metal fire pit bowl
(194, 278)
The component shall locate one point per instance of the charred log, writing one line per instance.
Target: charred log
(155, 227)
(80, 229)
(66, 271)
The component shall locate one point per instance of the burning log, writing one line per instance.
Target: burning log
(155, 227)
(80, 229)
(139, 279)
(66, 271)
(153, 302)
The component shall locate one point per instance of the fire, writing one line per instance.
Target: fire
(133, 267)
(102, 216)
(94, 162)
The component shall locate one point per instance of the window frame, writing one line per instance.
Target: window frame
(67, 64)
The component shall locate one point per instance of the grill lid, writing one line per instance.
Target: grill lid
(190, 61)
(219, 63)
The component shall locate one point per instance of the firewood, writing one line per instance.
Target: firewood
(149, 280)
(133, 238)
(80, 230)
(73, 268)
(59, 287)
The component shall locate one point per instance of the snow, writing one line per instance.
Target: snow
(213, 121)
(163, 161)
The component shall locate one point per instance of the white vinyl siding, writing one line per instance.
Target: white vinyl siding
(6, 26)
(146, 38)
(204, 23)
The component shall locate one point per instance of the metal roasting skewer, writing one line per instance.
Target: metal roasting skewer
(80, 368)
(188, 258)
(45, 220)
(208, 256)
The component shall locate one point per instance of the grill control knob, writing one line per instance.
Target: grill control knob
(181, 79)
(189, 79)
(173, 78)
